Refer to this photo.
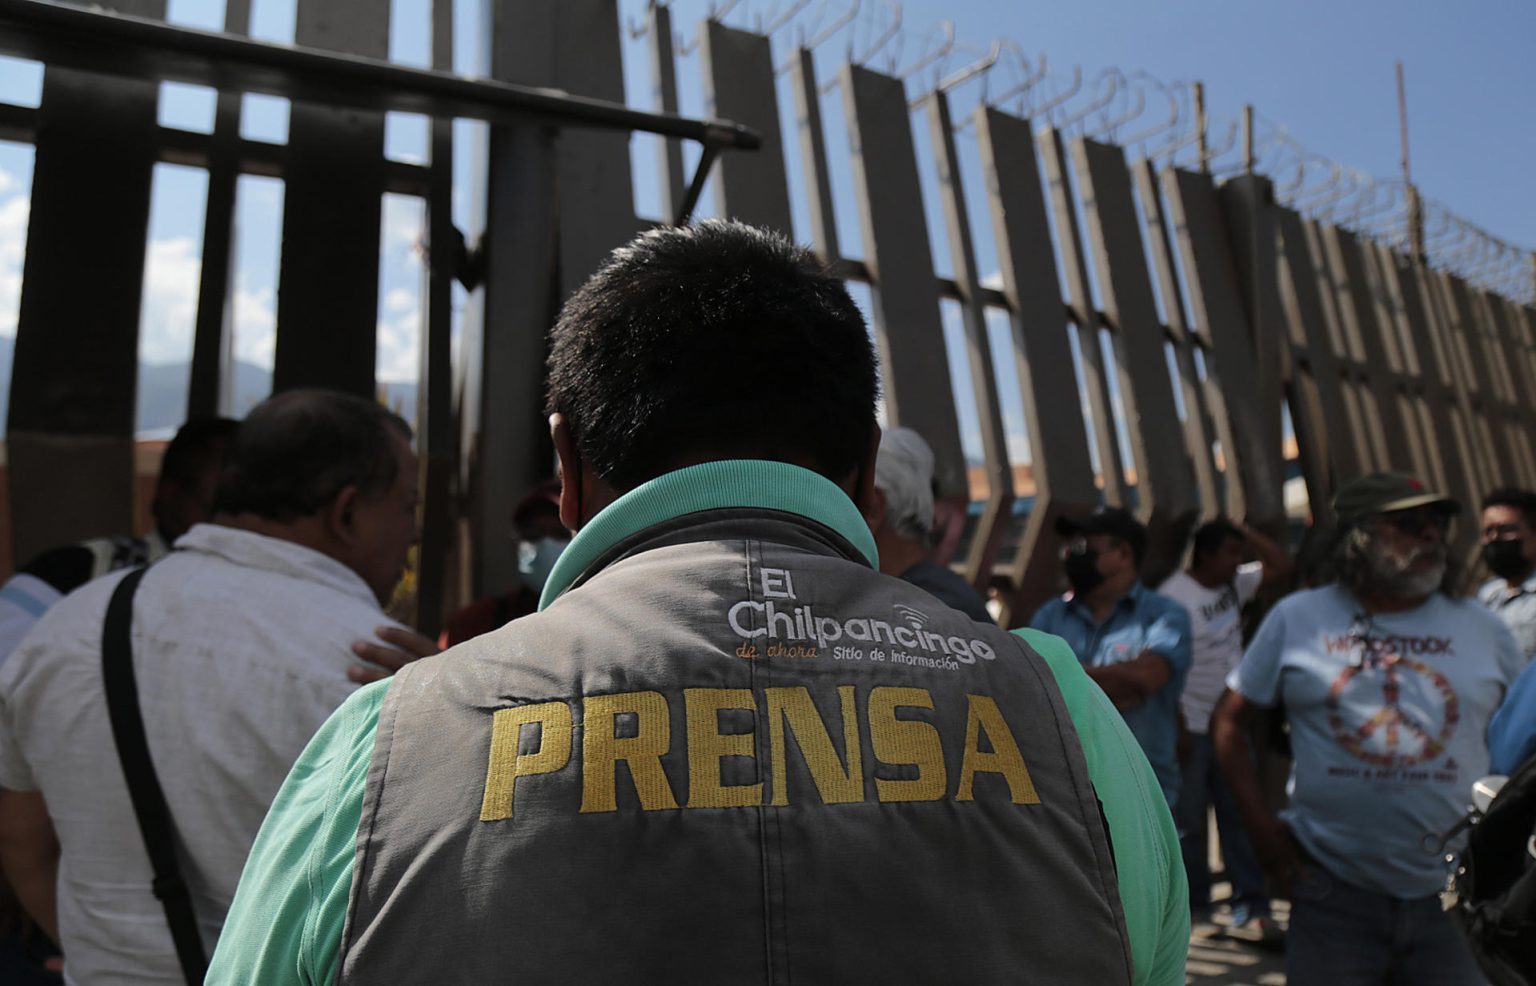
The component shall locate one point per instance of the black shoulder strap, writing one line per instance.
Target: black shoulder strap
(143, 785)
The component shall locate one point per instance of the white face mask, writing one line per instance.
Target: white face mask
(536, 559)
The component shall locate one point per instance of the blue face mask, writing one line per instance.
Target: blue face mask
(536, 559)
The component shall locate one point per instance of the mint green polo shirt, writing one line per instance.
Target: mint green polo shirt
(286, 922)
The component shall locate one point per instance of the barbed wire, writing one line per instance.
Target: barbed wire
(1161, 121)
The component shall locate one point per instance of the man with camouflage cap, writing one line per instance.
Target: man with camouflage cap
(1389, 684)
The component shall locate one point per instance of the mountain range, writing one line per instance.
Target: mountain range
(162, 392)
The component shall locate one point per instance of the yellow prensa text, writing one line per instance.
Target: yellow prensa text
(894, 740)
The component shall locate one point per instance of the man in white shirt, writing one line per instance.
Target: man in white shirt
(189, 475)
(244, 641)
(1218, 584)
(1509, 551)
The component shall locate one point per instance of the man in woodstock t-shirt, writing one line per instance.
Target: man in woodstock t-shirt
(1389, 685)
(1215, 589)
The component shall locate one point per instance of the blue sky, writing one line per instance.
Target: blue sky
(1325, 70)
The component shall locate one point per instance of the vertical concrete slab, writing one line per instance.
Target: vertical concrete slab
(1204, 406)
(1315, 373)
(1370, 450)
(1486, 385)
(74, 373)
(1404, 390)
(1058, 437)
(1367, 352)
(1164, 479)
(328, 282)
(575, 45)
(1486, 332)
(1253, 453)
(1523, 318)
(813, 154)
(993, 523)
(1443, 371)
(738, 86)
(664, 98)
(1248, 209)
(1450, 470)
(437, 425)
(1518, 394)
(1518, 342)
(555, 207)
(505, 441)
(908, 328)
(207, 390)
(1058, 172)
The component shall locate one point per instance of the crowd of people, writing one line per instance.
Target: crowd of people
(590, 775)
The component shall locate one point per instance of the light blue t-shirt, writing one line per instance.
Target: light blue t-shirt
(1142, 620)
(1389, 722)
(1512, 734)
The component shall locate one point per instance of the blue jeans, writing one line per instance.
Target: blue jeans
(1203, 786)
(1343, 935)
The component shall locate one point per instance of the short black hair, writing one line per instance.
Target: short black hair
(1512, 496)
(300, 448)
(1212, 535)
(198, 446)
(717, 340)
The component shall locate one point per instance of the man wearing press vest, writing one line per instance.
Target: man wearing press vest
(727, 749)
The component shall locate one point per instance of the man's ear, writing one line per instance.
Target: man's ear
(880, 506)
(870, 501)
(339, 515)
(569, 467)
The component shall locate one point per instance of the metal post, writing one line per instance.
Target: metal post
(1247, 138)
(1415, 206)
(1200, 127)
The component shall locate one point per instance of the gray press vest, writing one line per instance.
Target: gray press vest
(732, 753)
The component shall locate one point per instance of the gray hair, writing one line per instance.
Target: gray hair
(904, 473)
(1355, 566)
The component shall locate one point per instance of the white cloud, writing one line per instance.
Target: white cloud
(403, 218)
(399, 300)
(13, 240)
(172, 270)
(399, 341)
(255, 326)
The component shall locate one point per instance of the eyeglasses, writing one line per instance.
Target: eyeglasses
(1503, 532)
(1080, 545)
(1416, 520)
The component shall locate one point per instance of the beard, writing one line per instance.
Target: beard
(1401, 574)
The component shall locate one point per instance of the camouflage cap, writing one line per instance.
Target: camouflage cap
(1383, 492)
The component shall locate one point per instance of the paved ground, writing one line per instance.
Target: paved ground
(1217, 957)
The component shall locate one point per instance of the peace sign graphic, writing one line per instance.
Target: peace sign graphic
(1414, 721)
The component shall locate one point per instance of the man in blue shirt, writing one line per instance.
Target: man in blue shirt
(1134, 643)
(1512, 734)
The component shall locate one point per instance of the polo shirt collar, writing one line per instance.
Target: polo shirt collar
(1129, 601)
(1496, 592)
(751, 483)
(284, 557)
